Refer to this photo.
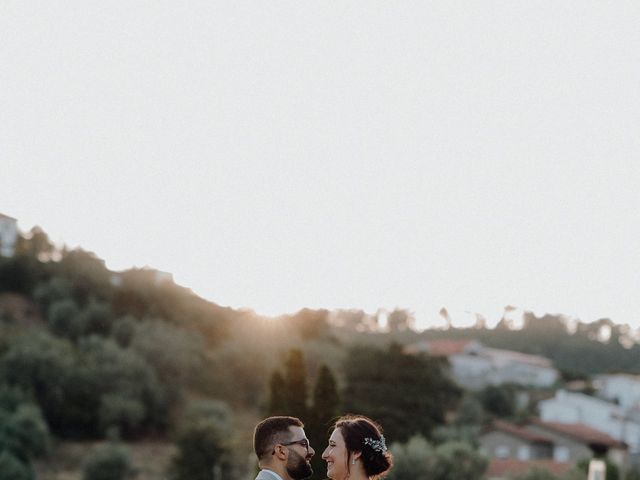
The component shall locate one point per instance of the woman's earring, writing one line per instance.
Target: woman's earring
(353, 461)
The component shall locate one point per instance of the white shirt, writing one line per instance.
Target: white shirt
(278, 477)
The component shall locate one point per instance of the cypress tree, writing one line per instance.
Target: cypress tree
(296, 384)
(277, 395)
(326, 407)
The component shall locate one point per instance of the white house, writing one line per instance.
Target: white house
(622, 389)
(474, 366)
(619, 422)
(8, 235)
(521, 368)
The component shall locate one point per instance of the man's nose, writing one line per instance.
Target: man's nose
(312, 452)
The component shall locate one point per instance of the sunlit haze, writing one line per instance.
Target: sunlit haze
(281, 155)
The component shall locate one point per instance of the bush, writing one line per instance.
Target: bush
(410, 459)
(124, 389)
(24, 432)
(123, 330)
(498, 400)
(457, 461)
(13, 469)
(108, 462)
(52, 291)
(64, 319)
(418, 460)
(202, 442)
(97, 319)
(39, 363)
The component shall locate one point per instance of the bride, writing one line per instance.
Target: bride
(357, 450)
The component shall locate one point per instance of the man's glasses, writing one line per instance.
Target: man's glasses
(304, 443)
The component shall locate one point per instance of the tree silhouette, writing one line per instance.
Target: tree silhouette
(326, 407)
(296, 384)
(277, 395)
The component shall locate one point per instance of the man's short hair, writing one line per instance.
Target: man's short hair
(271, 431)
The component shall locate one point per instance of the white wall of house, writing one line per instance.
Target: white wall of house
(524, 374)
(495, 367)
(8, 235)
(569, 407)
(623, 389)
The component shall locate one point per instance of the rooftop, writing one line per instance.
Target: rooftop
(518, 431)
(502, 467)
(580, 432)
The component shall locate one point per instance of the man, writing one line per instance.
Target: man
(282, 449)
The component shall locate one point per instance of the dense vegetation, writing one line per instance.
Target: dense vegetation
(86, 353)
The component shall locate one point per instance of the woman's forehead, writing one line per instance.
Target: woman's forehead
(336, 436)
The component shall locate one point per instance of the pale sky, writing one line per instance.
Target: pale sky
(280, 155)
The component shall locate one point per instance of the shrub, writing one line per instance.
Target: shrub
(202, 442)
(64, 319)
(13, 469)
(108, 462)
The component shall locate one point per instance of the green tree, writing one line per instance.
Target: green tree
(277, 395)
(124, 329)
(114, 387)
(498, 400)
(24, 432)
(177, 354)
(326, 401)
(457, 461)
(13, 469)
(64, 319)
(325, 408)
(202, 443)
(39, 363)
(296, 384)
(97, 318)
(35, 244)
(470, 412)
(55, 289)
(408, 394)
(410, 459)
(87, 274)
(18, 274)
(108, 462)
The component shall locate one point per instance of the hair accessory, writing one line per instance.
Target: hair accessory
(377, 445)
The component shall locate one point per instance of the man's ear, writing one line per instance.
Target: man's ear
(280, 452)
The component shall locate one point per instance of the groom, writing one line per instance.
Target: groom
(283, 449)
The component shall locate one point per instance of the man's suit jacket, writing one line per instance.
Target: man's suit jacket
(266, 475)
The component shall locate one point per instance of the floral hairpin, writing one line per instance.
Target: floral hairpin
(377, 445)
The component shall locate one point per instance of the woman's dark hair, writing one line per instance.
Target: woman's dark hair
(361, 434)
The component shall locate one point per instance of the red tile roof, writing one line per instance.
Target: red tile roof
(580, 432)
(519, 432)
(501, 467)
(444, 348)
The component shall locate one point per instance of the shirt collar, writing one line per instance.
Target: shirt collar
(278, 477)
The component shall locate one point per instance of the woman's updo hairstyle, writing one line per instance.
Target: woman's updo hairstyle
(361, 434)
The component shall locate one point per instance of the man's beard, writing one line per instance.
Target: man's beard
(297, 466)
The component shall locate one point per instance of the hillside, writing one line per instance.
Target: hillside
(88, 354)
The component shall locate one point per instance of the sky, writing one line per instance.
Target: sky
(281, 155)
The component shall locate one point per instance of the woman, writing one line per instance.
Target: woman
(357, 450)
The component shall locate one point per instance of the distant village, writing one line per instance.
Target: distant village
(571, 425)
